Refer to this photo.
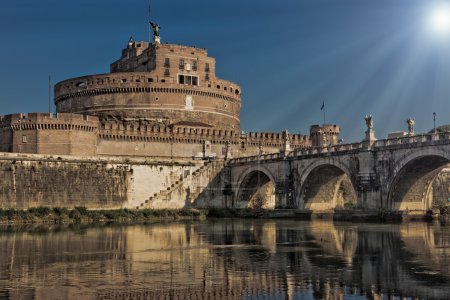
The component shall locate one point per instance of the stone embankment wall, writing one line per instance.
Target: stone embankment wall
(441, 189)
(37, 180)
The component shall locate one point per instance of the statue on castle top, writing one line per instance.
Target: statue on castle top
(155, 28)
(369, 122)
(411, 122)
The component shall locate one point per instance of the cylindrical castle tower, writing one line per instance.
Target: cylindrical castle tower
(158, 83)
(325, 135)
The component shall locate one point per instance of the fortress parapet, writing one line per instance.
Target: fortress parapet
(324, 135)
(141, 138)
(44, 133)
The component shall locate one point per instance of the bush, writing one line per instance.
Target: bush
(40, 211)
(349, 205)
(81, 210)
(60, 211)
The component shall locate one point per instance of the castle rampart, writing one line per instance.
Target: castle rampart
(41, 133)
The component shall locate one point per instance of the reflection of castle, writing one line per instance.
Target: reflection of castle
(156, 96)
(228, 259)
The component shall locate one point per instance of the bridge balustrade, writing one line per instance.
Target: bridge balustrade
(408, 140)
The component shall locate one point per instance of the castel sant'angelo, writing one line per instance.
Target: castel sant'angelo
(159, 100)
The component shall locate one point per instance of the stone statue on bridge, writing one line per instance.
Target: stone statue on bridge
(411, 122)
(287, 141)
(369, 122)
(370, 133)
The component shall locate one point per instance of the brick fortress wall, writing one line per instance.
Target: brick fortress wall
(43, 133)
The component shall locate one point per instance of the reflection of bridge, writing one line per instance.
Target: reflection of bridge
(395, 174)
(228, 259)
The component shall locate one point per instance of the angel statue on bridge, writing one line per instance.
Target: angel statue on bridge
(411, 122)
(369, 122)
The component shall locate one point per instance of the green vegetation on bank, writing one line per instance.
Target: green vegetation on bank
(58, 215)
(81, 215)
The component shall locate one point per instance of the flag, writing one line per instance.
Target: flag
(323, 105)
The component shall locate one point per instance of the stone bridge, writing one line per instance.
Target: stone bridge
(393, 174)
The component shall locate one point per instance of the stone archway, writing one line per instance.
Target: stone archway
(256, 191)
(411, 185)
(326, 187)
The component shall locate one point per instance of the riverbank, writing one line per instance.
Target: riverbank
(81, 215)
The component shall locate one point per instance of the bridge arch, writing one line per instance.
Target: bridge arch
(410, 185)
(255, 189)
(325, 185)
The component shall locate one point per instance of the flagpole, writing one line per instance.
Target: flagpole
(323, 109)
(148, 23)
(49, 92)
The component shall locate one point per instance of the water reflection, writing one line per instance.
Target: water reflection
(227, 259)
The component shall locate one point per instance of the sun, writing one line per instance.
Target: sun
(439, 19)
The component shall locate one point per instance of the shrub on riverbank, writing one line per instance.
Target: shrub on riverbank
(59, 215)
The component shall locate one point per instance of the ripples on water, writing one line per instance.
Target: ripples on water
(227, 259)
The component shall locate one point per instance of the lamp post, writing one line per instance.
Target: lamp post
(434, 123)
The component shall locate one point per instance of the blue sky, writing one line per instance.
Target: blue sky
(359, 56)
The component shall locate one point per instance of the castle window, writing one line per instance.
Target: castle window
(24, 139)
(224, 88)
(150, 80)
(206, 67)
(194, 65)
(124, 80)
(207, 77)
(181, 64)
(187, 79)
(236, 92)
(167, 62)
(218, 87)
(166, 72)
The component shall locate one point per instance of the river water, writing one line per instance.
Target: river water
(227, 259)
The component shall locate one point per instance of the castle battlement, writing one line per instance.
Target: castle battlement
(140, 82)
(49, 121)
(46, 133)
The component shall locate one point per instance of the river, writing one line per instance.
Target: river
(227, 259)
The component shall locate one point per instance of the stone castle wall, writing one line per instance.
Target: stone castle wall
(134, 139)
(41, 133)
(78, 135)
(136, 95)
(37, 180)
